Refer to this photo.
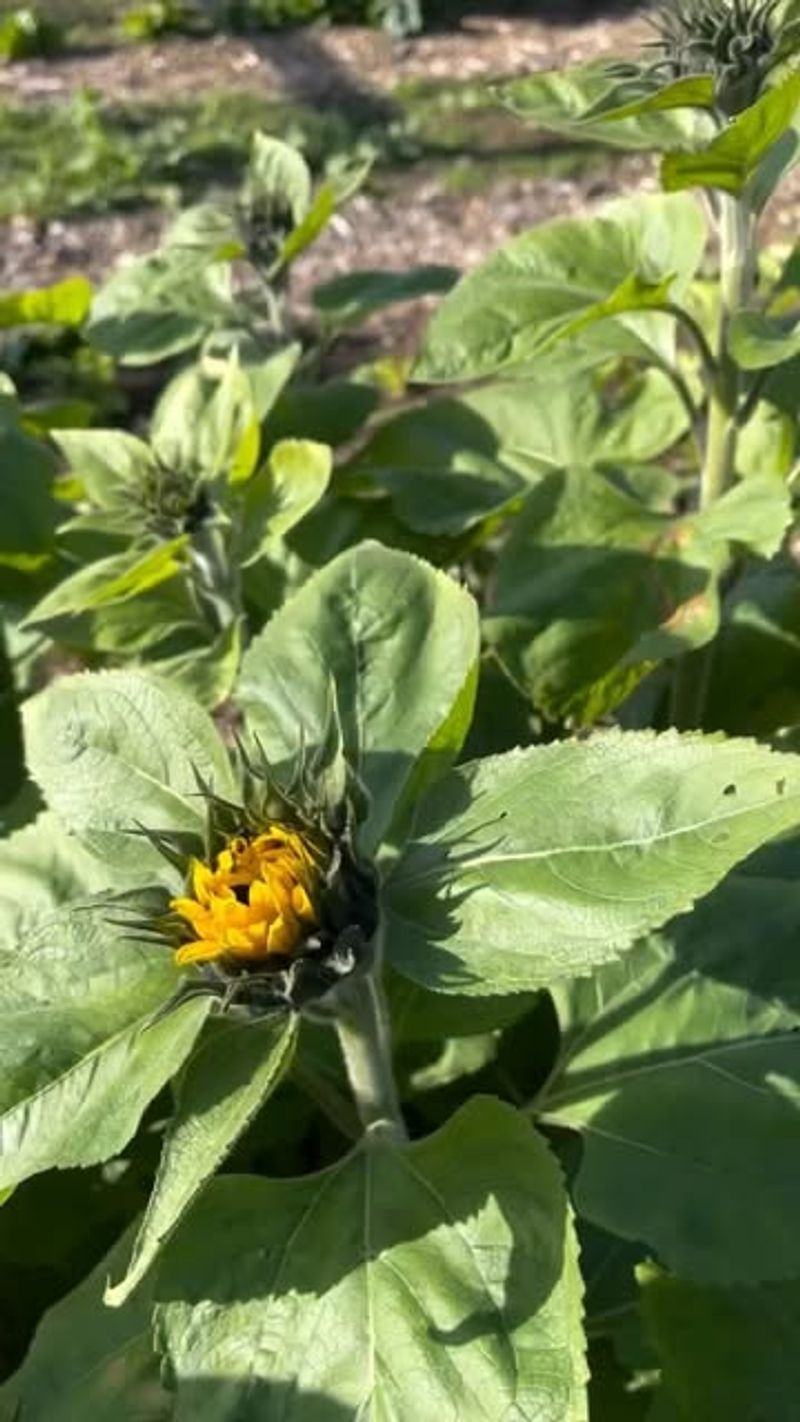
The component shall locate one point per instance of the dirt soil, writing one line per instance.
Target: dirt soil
(408, 217)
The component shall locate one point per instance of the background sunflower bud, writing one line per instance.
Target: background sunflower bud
(737, 41)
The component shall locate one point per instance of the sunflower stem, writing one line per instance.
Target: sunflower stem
(692, 673)
(362, 1024)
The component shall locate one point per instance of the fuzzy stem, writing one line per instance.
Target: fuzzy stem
(362, 1024)
(693, 671)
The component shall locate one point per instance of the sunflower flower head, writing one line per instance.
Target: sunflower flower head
(255, 901)
(280, 906)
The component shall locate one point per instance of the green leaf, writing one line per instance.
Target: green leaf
(455, 461)
(400, 643)
(281, 493)
(64, 304)
(269, 377)
(532, 291)
(693, 91)
(677, 1069)
(499, 894)
(226, 1081)
(348, 300)
(206, 673)
(278, 179)
(70, 980)
(328, 197)
(421, 1016)
(160, 305)
(592, 587)
(586, 579)
(207, 424)
(440, 1279)
(28, 511)
(734, 156)
(760, 630)
(114, 751)
(41, 866)
(12, 766)
(728, 1353)
(332, 413)
(90, 1113)
(110, 464)
(88, 1361)
(110, 580)
(589, 102)
(755, 513)
(758, 341)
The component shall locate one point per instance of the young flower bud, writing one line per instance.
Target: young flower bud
(280, 908)
(737, 41)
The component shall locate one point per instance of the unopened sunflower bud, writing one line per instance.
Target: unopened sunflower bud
(736, 41)
(280, 908)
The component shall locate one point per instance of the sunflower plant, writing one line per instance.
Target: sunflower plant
(164, 532)
(611, 571)
(417, 1008)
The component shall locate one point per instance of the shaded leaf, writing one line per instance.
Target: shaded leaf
(347, 300)
(454, 461)
(679, 1070)
(454, 1255)
(88, 1361)
(729, 1353)
(592, 587)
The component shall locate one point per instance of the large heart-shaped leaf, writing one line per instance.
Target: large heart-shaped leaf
(540, 286)
(456, 460)
(541, 864)
(679, 1069)
(437, 1279)
(399, 642)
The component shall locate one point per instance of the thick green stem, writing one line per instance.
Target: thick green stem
(735, 279)
(693, 672)
(362, 1024)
